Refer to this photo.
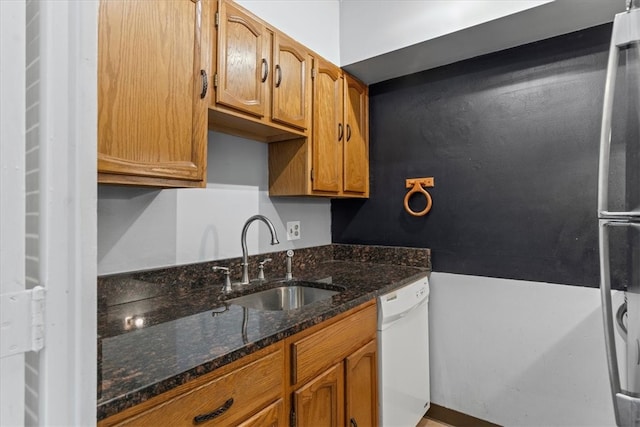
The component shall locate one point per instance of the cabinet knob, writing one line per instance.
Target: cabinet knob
(340, 131)
(348, 132)
(353, 422)
(205, 83)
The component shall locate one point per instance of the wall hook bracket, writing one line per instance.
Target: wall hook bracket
(417, 185)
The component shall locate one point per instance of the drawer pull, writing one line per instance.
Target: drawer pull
(279, 75)
(265, 70)
(205, 83)
(199, 419)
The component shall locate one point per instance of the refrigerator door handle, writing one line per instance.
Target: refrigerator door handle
(605, 129)
(629, 408)
(626, 31)
(625, 407)
(630, 215)
(607, 315)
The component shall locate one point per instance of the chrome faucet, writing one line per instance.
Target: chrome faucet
(243, 241)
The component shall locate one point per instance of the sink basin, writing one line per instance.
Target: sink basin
(283, 298)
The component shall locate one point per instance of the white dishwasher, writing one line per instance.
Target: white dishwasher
(403, 355)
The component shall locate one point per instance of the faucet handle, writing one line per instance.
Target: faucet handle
(227, 279)
(261, 268)
(288, 275)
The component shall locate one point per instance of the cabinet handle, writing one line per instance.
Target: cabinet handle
(265, 70)
(340, 131)
(353, 422)
(205, 83)
(279, 75)
(348, 132)
(199, 419)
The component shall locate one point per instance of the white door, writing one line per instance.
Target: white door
(48, 130)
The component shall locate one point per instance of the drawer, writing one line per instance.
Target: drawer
(271, 416)
(234, 396)
(328, 346)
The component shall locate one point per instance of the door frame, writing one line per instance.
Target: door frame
(67, 206)
(12, 192)
(68, 112)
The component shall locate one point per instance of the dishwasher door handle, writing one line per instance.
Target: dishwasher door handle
(390, 320)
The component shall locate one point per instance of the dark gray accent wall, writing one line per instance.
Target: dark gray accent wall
(511, 139)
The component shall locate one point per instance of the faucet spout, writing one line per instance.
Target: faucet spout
(243, 242)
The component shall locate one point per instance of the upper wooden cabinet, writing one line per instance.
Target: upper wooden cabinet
(334, 161)
(328, 127)
(270, 88)
(291, 84)
(242, 68)
(262, 78)
(356, 138)
(153, 59)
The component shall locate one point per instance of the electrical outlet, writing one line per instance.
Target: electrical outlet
(293, 230)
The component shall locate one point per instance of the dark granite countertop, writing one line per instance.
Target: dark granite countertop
(155, 333)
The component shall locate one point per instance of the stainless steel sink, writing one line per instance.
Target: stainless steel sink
(283, 298)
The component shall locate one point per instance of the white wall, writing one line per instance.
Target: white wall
(519, 353)
(314, 23)
(142, 228)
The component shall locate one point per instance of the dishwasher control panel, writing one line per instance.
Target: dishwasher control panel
(400, 301)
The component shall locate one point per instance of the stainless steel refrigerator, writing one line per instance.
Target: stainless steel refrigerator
(619, 213)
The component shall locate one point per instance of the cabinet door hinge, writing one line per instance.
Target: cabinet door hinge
(292, 418)
(217, 19)
(313, 73)
(22, 320)
(215, 80)
(311, 174)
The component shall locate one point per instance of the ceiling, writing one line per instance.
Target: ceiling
(544, 20)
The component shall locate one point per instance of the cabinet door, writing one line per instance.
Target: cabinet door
(356, 141)
(243, 61)
(321, 401)
(361, 387)
(152, 109)
(328, 129)
(271, 416)
(291, 82)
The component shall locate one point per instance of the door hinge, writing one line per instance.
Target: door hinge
(217, 19)
(215, 80)
(311, 174)
(22, 321)
(292, 418)
(313, 73)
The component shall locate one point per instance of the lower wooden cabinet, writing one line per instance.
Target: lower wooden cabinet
(271, 416)
(227, 396)
(361, 391)
(334, 372)
(320, 402)
(325, 375)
